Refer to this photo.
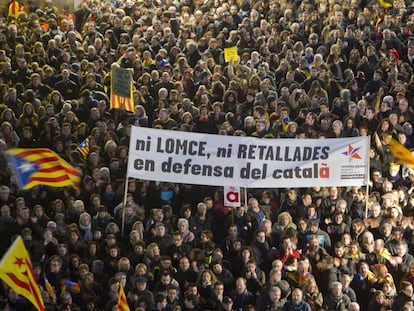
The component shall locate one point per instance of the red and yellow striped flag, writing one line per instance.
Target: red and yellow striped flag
(49, 288)
(122, 301)
(16, 270)
(15, 7)
(41, 166)
(401, 154)
(122, 95)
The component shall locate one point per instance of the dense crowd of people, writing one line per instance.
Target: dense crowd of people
(306, 69)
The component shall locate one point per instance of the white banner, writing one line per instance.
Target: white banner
(219, 160)
(232, 196)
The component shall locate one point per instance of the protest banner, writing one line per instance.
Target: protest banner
(219, 160)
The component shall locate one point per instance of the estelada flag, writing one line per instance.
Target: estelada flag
(16, 270)
(71, 287)
(41, 166)
(83, 148)
(15, 7)
(122, 96)
(401, 154)
(122, 301)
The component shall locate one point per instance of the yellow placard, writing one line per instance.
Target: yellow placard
(230, 54)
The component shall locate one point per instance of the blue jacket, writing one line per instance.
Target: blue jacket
(302, 306)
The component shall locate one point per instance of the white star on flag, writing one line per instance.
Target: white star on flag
(26, 167)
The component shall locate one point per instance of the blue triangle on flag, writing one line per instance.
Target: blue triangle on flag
(24, 169)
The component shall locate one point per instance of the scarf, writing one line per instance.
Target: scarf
(88, 235)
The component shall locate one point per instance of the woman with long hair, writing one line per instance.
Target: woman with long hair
(378, 302)
(312, 295)
(29, 117)
(389, 290)
(317, 91)
(9, 116)
(205, 284)
(230, 101)
(9, 135)
(284, 221)
(350, 129)
(56, 99)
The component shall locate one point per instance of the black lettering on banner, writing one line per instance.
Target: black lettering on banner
(316, 153)
(188, 168)
(224, 152)
(251, 153)
(181, 147)
(142, 145)
(248, 172)
(297, 155)
(325, 153)
(242, 152)
(146, 165)
(307, 153)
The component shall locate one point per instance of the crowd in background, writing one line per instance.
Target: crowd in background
(306, 69)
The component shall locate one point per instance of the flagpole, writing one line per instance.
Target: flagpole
(245, 198)
(123, 209)
(367, 170)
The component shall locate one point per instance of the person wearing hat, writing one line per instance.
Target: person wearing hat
(323, 237)
(102, 218)
(141, 289)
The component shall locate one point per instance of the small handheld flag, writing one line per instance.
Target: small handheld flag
(71, 287)
(83, 148)
(16, 270)
(122, 301)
